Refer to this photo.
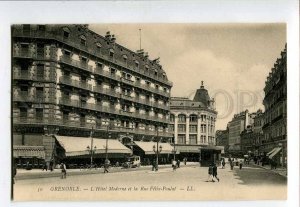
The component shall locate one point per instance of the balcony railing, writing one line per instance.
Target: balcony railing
(111, 110)
(79, 64)
(24, 97)
(91, 50)
(23, 53)
(107, 74)
(106, 91)
(77, 124)
(75, 83)
(33, 77)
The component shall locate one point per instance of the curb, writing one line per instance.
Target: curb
(278, 173)
(41, 174)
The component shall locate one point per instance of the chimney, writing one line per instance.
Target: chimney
(140, 52)
(108, 36)
(113, 39)
(146, 55)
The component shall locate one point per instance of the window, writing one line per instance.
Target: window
(82, 120)
(39, 114)
(23, 113)
(83, 40)
(181, 139)
(99, 65)
(111, 53)
(26, 27)
(147, 83)
(125, 58)
(155, 73)
(181, 118)
(193, 139)
(67, 53)
(39, 93)
(181, 128)
(172, 118)
(171, 127)
(136, 64)
(65, 116)
(112, 71)
(193, 128)
(41, 27)
(193, 118)
(84, 59)
(40, 71)
(66, 32)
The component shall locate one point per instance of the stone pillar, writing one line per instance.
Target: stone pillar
(198, 129)
(175, 128)
(187, 132)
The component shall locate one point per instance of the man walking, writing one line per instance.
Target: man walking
(106, 165)
(210, 173)
(63, 170)
(215, 172)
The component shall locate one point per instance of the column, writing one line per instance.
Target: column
(176, 128)
(198, 129)
(206, 134)
(187, 132)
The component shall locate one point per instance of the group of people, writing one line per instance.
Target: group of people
(212, 173)
(176, 164)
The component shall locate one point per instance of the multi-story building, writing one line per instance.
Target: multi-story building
(274, 142)
(68, 80)
(258, 133)
(193, 123)
(235, 127)
(222, 139)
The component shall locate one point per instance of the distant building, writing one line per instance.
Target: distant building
(235, 127)
(222, 139)
(274, 142)
(258, 132)
(193, 123)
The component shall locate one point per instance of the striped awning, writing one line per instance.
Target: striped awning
(274, 152)
(76, 146)
(188, 149)
(147, 147)
(28, 151)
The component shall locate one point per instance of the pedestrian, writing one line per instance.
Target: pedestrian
(63, 170)
(210, 173)
(231, 165)
(45, 166)
(51, 165)
(178, 163)
(215, 172)
(174, 165)
(14, 171)
(185, 159)
(153, 165)
(223, 163)
(241, 164)
(106, 165)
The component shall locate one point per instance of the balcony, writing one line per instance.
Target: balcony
(106, 91)
(107, 74)
(75, 83)
(23, 53)
(24, 97)
(33, 77)
(75, 63)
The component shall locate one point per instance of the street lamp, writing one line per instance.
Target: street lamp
(91, 151)
(157, 150)
(174, 150)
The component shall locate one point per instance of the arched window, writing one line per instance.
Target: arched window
(181, 118)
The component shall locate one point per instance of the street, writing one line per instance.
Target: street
(188, 183)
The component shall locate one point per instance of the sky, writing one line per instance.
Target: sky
(233, 60)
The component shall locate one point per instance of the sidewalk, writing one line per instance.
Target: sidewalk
(279, 170)
(39, 173)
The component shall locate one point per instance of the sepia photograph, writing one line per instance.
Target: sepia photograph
(149, 112)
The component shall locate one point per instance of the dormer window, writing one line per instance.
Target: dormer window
(66, 32)
(111, 52)
(82, 40)
(136, 64)
(155, 73)
(98, 45)
(125, 58)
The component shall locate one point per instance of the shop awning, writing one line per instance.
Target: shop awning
(76, 146)
(188, 149)
(274, 152)
(147, 147)
(28, 151)
(211, 147)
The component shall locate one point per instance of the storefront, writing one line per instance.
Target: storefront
(210, 154)
(29, 157)
(80, 151)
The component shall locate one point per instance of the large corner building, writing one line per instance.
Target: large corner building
(68, 81)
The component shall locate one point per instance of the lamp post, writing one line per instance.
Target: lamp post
(93, 148)
(157, 150)
(174, 150)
